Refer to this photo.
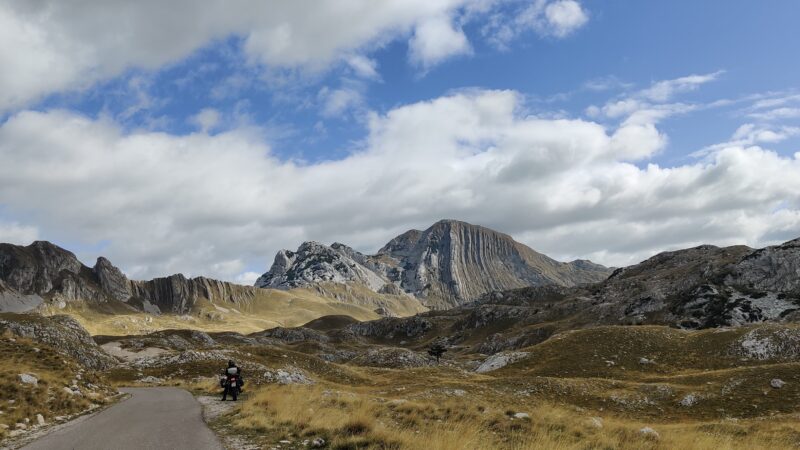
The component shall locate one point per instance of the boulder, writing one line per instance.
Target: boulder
(777, 383)
(595, 422)
(27, 378)
(649, 432)
(689, 400)
(500, 360)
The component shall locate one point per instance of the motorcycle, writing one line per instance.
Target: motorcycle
(232, 383)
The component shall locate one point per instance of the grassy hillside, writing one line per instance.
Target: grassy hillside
(272, 308)
(63, 386)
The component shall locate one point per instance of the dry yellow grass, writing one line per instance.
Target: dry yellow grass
(272, 309)
(357, 418)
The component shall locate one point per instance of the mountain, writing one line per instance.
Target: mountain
(696, 288)
(42, 270)
(44, 276)
(448, 264)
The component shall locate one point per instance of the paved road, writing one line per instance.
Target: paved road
(153, 418)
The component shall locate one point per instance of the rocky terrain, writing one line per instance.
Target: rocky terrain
(447, 265)
(51, 371)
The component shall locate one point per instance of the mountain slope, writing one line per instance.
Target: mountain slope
(448, 264)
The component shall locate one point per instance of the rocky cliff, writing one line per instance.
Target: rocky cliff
(448, 264)
(42, 271)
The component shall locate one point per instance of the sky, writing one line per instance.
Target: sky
(173, 138)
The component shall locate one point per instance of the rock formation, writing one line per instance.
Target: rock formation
(44, 271)
(448, 264)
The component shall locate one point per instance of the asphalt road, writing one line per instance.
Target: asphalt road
(153, 418)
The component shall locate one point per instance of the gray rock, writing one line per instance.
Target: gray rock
(178, 294)
(777, 383)
(288, 375)
(392, 357)
(595, 422)
(150, 380)
(40, 419)
(649, 432)
(28, 379)
(689, 400)
(112, 280)
(500, 360)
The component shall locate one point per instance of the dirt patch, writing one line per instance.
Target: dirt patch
(213, 412)
(115, 349)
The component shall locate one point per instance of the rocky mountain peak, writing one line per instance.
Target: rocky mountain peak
(37, 268)
(449, 263)
(315, 263)
(112, 280)
(401, 244)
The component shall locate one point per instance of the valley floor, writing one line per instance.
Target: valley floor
(627, 387)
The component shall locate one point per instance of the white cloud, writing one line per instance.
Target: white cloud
(221, 205)
(751, 134)
(663, 91)
(206, 120)
(55, 46)
(655, 103)
(564, 17)
(558, 19)
(777, 114)
(435, 40)
(364, 67)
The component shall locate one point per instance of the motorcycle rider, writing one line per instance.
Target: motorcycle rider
(232, 381)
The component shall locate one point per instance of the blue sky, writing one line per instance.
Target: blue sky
(587, 98)
(625, 43)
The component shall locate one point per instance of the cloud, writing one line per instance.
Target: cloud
(363, 67)
(56, 46)
(751, 134)
(435, 40)
(557, 19)
(339, 102)
(222, 204)
(663, 91)
(776, 114)
(564, 17)
(655, 103)
(206, 120)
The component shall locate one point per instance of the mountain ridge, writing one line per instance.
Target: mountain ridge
(448, 264)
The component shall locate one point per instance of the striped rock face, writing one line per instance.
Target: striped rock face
(449, 264)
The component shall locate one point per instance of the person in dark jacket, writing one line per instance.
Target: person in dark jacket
(232, 381)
